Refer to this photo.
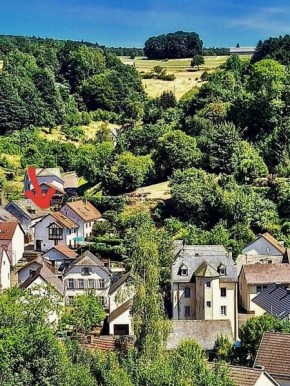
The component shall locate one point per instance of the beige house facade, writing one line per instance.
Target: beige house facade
(204, 284)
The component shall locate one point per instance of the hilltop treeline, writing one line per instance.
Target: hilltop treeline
(173, 45)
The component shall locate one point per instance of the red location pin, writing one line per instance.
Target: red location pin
(42, 201)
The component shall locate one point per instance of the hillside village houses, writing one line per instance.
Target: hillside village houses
(12, 240)
(5, 269)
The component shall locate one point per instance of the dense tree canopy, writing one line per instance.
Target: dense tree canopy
(173, 45)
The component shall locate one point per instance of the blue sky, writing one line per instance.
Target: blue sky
(130, 22)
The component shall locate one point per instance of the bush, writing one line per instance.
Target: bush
(73, 132)
(167, 77)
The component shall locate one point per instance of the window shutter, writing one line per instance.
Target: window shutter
(85, 283)
(75, 283)
(65, 284)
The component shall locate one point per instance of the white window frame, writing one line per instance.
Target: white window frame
(208, 304)
(225, 290)
(83, 283)
(224, 310)
(68, 284)
(187, 292)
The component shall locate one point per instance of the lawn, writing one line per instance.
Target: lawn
(185, 80)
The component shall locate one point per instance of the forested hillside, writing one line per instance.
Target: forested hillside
(224, 147)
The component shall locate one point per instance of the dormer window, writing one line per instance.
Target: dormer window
(222, 270)
(86, 271)
(183, 270)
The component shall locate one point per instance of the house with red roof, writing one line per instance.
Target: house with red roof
(12, 240)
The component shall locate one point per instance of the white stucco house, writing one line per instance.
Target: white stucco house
(204, 284)
(5, 268)
(85, 273)
(82, 213)
(120, 306)
(264, 244)
(12, 240)
(43, 282)
(53, 229)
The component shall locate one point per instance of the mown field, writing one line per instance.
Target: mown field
(185, 80)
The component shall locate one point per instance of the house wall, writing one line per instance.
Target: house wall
(200, 295)
(179, 301)
(265, 381)
(41, 233)
(125, 318)
(85, 228)
(75, 273)
(5, 272)
(24, 273)
(17, 245)
(260, 247)
(55, 255)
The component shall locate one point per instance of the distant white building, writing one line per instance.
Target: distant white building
(82, 213)
(242, 51)
(55, 228)
(45, 175)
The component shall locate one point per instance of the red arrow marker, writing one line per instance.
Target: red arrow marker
(43, 201)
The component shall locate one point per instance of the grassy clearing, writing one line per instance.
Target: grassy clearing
(185, 80)
(159, 191)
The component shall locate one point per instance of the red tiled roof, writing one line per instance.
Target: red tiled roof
(7, 230)
(274, 354)
(64, 220)
(66, 251)
(85, 210)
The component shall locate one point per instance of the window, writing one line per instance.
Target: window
(223, 310)
(32, 272)
(70, 300)
(70, 283)
(102, 300)
(81, 283)
(91, 283)
(208, 284)
(261, 288)
(130, 311)
(55, 242)
(54, 232)
(187, 311)
(187, 292)
(222, 270)
(208, 304)
(102, 283)
(223, 292)
(183, 271)
(86, 271)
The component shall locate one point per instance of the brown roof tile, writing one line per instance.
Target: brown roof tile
(64, 220)
(7, 230)
(274, 354)
(85, 210)
(267, 273)
(66, 251)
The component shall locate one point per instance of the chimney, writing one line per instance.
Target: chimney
(258, 367)
(230, 252)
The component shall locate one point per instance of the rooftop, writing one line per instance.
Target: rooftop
(46, 273)
(29, 208)
(271, 240)
(274, 354)
(7, 230)
(88, 259)
(275, 300)
(244, 259)
(267, 273)
(85, 210)
(203, 257)
(5, 215)
(64, 250)
(205, 332)
(64, 220)
(42, 172)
